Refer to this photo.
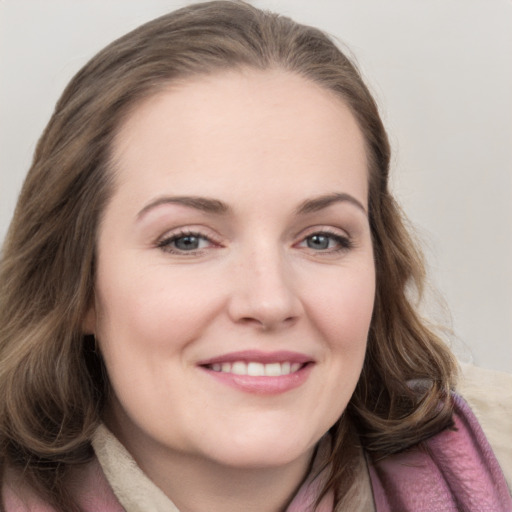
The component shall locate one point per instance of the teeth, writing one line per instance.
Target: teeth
(273, 370)
(254, 369)
(239, 368)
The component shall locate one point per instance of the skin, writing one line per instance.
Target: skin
(263, 143)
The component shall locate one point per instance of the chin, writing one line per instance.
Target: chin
(249, 460)
(260, 451)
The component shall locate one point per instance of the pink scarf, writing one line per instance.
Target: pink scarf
(454, 471)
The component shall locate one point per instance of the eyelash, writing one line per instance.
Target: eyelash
(344, 243)
(166, 244)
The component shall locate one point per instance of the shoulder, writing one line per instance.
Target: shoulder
(454, 468)
(489, 394)
(87, 485)
(17, 496)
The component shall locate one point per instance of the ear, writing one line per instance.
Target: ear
(89, 321)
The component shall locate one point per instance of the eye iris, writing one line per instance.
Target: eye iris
(318, 242)
(187, 243)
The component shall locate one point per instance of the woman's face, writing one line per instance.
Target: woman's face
(235, 279)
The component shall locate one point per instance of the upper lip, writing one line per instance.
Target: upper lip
(257, 356)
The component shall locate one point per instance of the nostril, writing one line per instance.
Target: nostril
(250, 320)
(266, 323)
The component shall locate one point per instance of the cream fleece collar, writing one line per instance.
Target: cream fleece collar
(134, 490)
(137, 493)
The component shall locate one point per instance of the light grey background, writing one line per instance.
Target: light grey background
(442, 73)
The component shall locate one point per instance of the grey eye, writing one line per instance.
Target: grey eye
(187, 243)
(318, 241)
(326, 242)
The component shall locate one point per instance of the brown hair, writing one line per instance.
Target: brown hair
(52, 382)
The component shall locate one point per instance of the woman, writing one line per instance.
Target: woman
(205, 291)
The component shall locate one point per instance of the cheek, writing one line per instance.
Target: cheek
(341, 311)
(157, 309)
(343, 308)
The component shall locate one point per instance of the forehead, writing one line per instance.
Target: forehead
(257, 123)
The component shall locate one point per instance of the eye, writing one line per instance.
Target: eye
(185, 242)
(326, 242)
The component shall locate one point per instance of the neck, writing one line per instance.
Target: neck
(195, 486)
(195, 483)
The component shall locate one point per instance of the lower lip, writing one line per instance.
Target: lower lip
(263, 385)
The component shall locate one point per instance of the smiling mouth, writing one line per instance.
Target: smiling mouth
(259, 372)
(256, 369)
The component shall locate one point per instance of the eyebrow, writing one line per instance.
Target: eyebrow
(215, 206)
(203, 204)
(319, 203)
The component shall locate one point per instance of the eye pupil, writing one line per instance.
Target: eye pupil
(318, 242)
(187, 243)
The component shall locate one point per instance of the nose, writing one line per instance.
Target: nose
(264, 293)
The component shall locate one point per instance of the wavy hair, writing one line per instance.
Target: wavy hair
(52, 381)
